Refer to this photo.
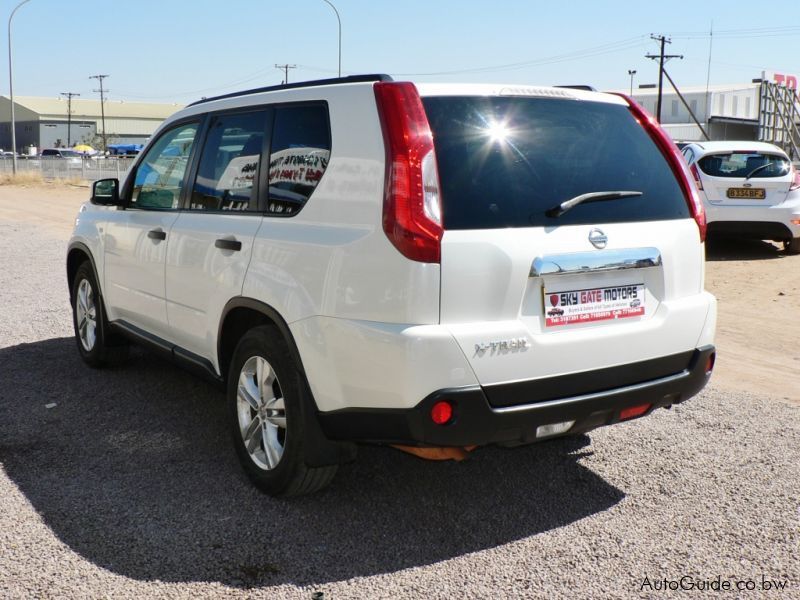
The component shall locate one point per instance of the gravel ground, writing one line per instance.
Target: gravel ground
(129, 488)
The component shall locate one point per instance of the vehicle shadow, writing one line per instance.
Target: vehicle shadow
(133, 469)
(723, 248)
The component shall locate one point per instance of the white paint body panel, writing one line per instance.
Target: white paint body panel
(488, 295)
(133, 286)
(378, 365)
(200, 278)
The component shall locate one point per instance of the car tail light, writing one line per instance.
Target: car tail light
(412, 211)
(675, 160)
(795, 185)
(696, 173)
(633, 411)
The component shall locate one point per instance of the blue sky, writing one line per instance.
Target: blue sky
(180, 50)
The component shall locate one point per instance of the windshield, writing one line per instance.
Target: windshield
(741, 164)
(69, 154)
(505, 161)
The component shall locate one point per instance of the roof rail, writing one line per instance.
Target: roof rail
(300, 84)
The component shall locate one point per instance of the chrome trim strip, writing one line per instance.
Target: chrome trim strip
(592, 262)
(575, 399)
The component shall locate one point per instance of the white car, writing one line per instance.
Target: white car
(360, 259)
(749, 189)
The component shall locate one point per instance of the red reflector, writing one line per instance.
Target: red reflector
(441, 412)
(710, 364)
(633, 411)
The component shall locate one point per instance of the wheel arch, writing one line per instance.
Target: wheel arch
(241, 314)
(77, 254)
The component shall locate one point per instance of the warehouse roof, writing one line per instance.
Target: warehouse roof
(57, 107)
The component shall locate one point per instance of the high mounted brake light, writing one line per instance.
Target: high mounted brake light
(412, 212)
(675, 161)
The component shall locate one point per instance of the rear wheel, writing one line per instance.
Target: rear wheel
(792, 246)
(95, 345)
(266, 393)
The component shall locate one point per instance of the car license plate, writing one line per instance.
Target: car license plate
(569, 307)
(747, 193)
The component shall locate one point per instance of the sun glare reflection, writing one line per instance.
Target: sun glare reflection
(497, 132)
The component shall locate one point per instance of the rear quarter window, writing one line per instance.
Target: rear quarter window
(504, 161)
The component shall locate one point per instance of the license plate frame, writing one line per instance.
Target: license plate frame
(741, 193)
(593, 305)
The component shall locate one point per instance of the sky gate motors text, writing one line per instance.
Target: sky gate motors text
(629, 292)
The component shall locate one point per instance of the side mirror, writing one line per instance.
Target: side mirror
(105, 192)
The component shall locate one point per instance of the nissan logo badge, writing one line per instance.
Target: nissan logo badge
(598, 238)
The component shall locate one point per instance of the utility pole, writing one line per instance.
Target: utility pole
(631, 72)
(662, 58)
(285, 69)
(69, 96)
(102, 106)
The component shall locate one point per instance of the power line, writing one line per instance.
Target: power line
(102, 106)
(285, 69)
(608, 48)
(69, 96)
(662, 58)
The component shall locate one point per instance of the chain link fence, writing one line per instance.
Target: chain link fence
(87, 169)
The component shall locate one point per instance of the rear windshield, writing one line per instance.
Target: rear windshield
(742, 164)
(503, 162)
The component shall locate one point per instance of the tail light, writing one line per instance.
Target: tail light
(675, 160)
(795, 185)
(696, 173)
(412, 211)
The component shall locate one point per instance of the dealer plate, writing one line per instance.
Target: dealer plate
(594, 304)
(747, 193)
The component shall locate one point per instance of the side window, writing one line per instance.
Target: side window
(229, 163)
(159, 177)
(301, 148)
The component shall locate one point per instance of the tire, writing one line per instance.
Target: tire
(792, 246)
(266, 394)
(95, 345)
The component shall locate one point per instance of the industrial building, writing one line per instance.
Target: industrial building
(766, 109)
(44, 122)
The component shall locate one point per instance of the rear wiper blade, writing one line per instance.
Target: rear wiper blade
(757, 169)
(560, 209)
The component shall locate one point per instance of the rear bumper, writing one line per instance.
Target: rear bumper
(477, 422)
(761, 222)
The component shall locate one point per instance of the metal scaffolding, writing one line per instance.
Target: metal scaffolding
(779, 118)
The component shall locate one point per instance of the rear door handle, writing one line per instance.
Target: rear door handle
(224, 244)
(157, 234)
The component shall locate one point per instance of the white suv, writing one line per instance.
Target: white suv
(435, 266)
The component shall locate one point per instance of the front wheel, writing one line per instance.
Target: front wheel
(89, 321)
(266, 393)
